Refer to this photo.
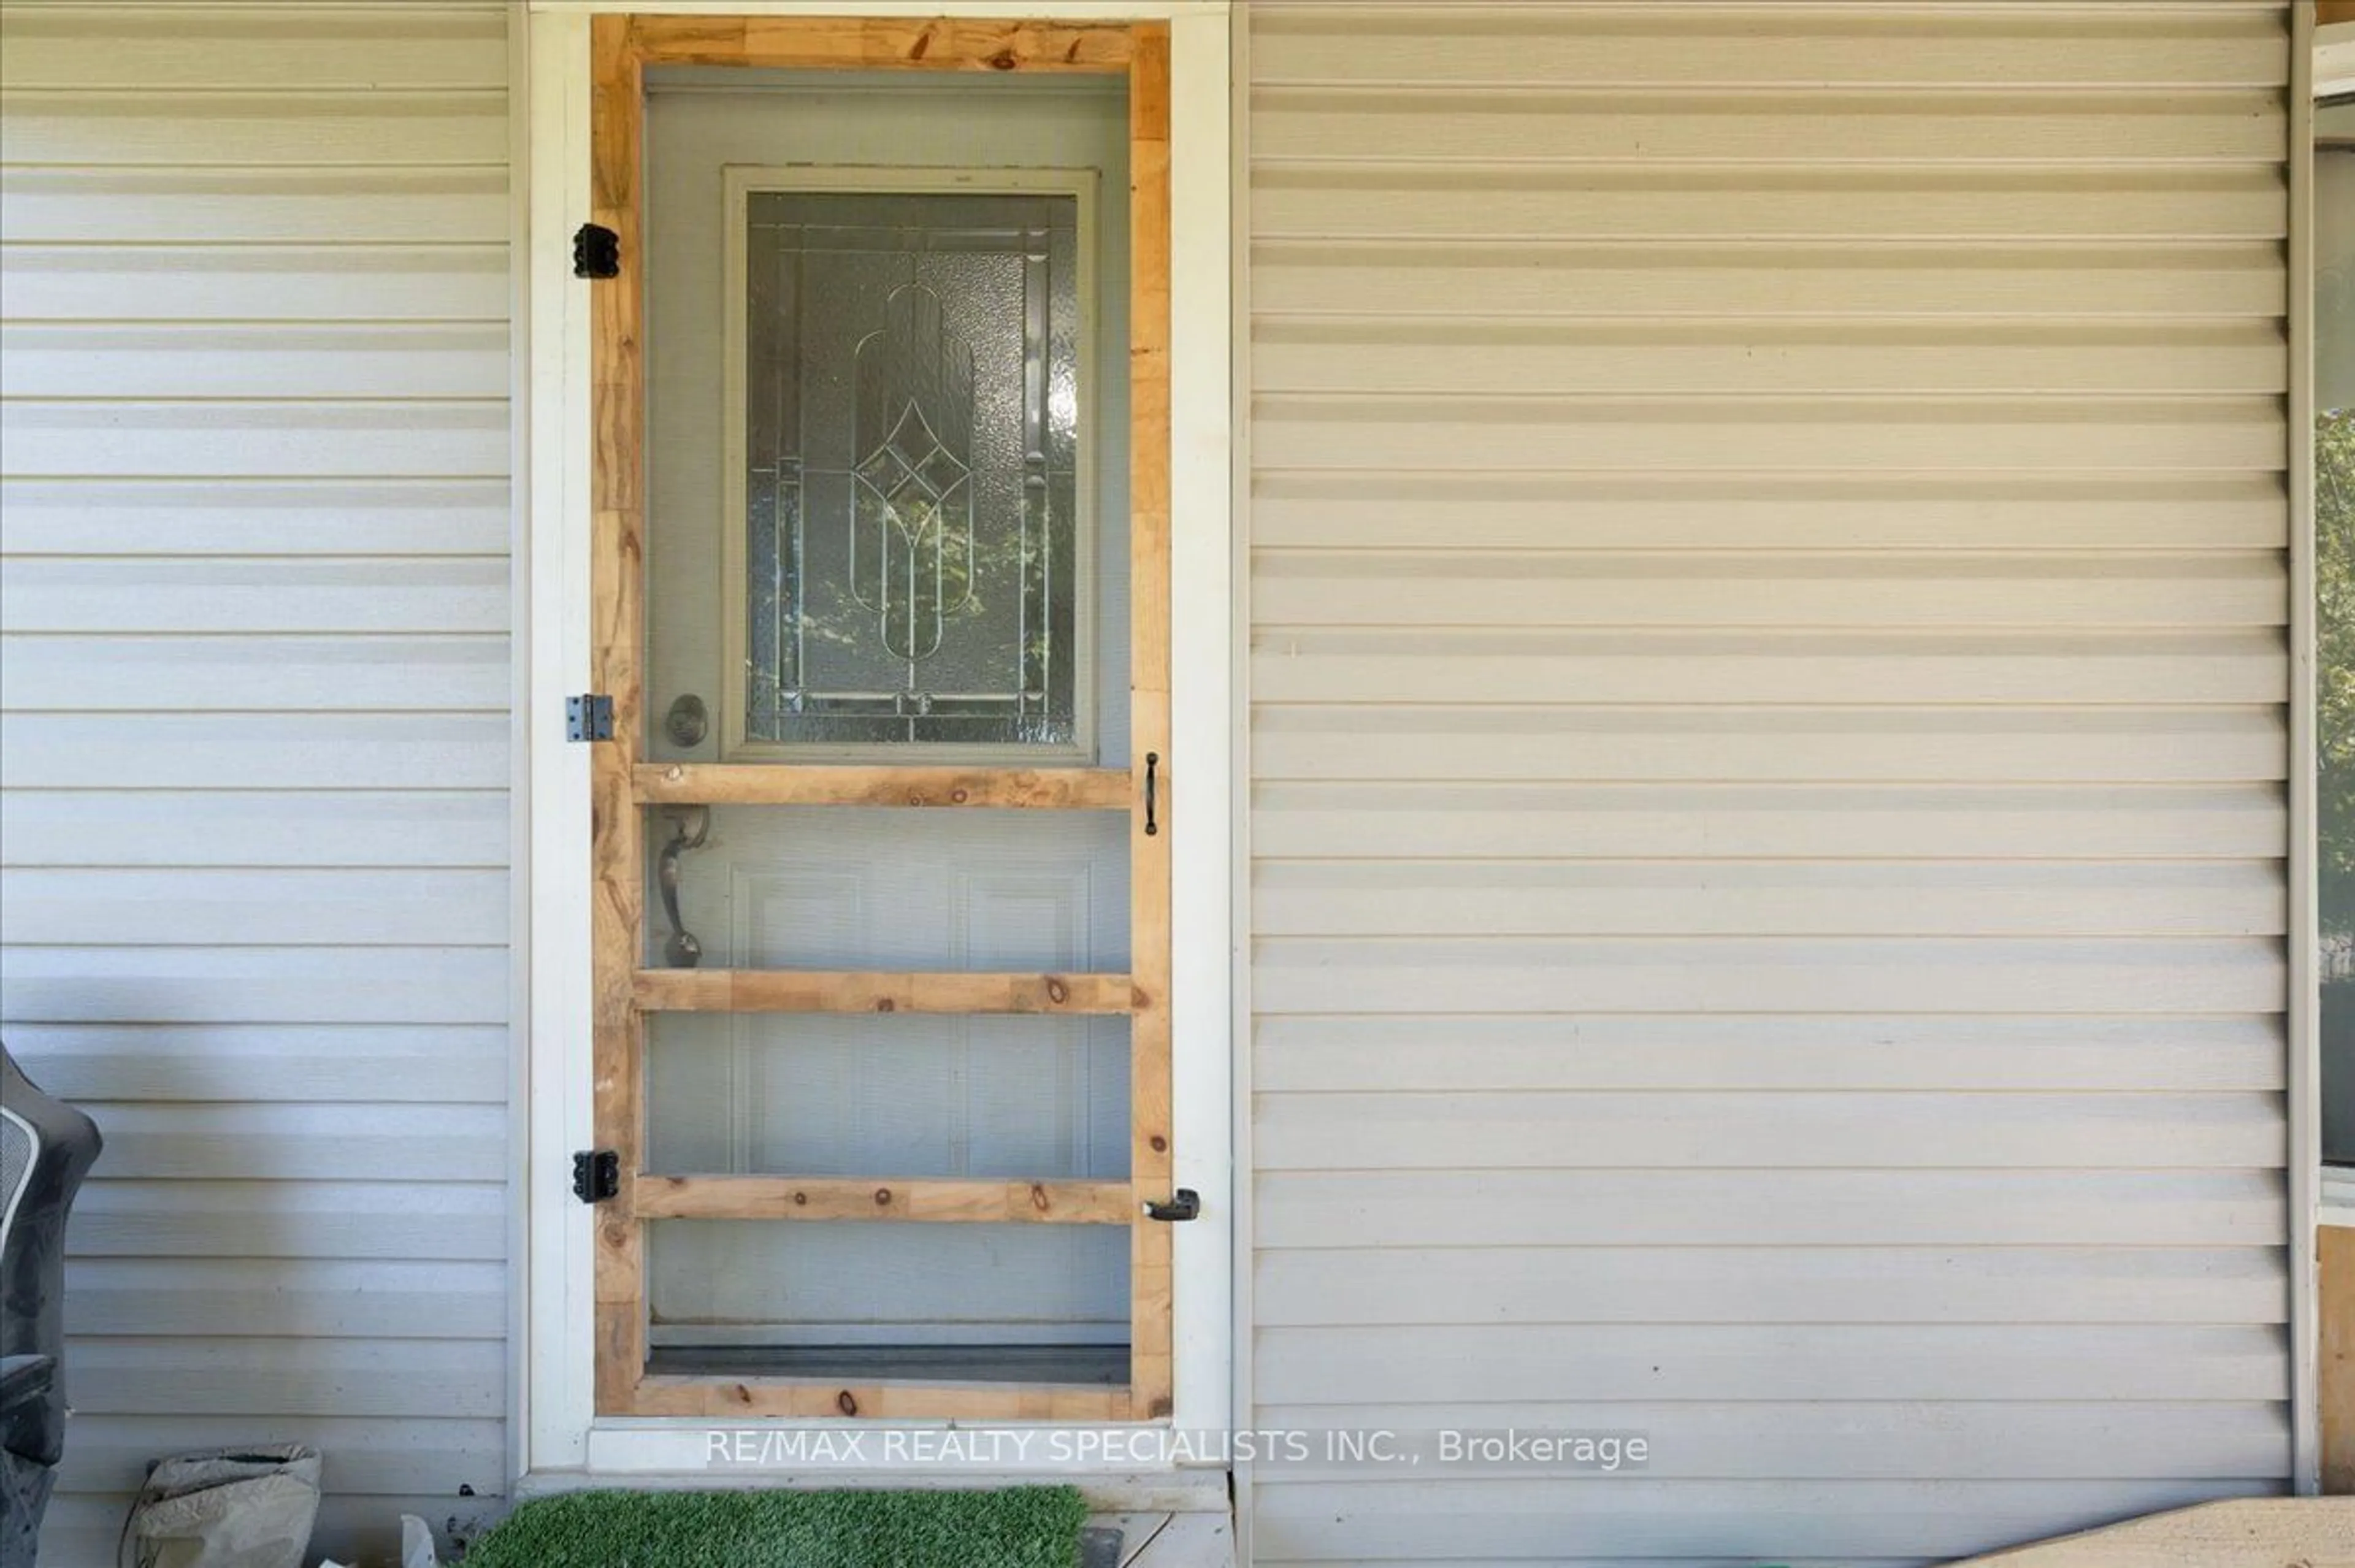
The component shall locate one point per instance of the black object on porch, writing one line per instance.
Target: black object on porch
(46, 1148)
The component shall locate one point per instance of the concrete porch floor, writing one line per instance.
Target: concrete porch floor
(2249, 1532)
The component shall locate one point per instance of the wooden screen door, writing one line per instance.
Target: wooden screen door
(812, 757)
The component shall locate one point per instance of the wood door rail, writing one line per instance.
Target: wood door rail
(880, 991)
(758, 783)
(673, 1394)
(849, 1198)
(941, 43)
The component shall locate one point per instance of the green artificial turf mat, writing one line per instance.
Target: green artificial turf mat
(1018, 1527)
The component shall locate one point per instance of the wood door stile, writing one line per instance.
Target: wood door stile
(1151, 1374)
(617, 640)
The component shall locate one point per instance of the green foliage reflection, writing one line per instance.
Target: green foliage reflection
(2334, 588)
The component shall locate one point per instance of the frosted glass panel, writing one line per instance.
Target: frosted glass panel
(913, 420)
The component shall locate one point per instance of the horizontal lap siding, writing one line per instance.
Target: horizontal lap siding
(254, 893)
(1769, 598)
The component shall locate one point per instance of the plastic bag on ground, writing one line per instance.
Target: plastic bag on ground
(234, 1507)
(417, 1547)
(416, 1543)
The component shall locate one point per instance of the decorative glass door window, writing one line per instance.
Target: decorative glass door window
(911, 400)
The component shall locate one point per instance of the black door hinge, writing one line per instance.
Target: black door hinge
(596, 1175)
(588, 717)
(596, 252)
(1184, 1204)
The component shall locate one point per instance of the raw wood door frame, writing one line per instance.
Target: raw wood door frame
(621, 48)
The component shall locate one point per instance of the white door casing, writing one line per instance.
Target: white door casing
(556, 1350)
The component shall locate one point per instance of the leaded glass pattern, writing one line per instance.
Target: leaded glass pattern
(912, 435)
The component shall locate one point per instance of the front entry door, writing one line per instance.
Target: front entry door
(882, 830)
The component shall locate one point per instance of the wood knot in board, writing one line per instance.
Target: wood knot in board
(845, 1404)
(1160, 1144)
(1057, 992)
(740, 1394)
(1004, 59)
(801, 1200)
(882, 1198)
(1038, 1199)
(886, 1004)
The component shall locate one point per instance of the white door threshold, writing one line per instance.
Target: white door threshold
(1169, 1493)
(1171, 1540)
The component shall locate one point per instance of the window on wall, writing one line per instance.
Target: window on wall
(2334, 523)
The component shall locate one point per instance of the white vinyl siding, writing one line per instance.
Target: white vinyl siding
(254, 376)
(1769, 611)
